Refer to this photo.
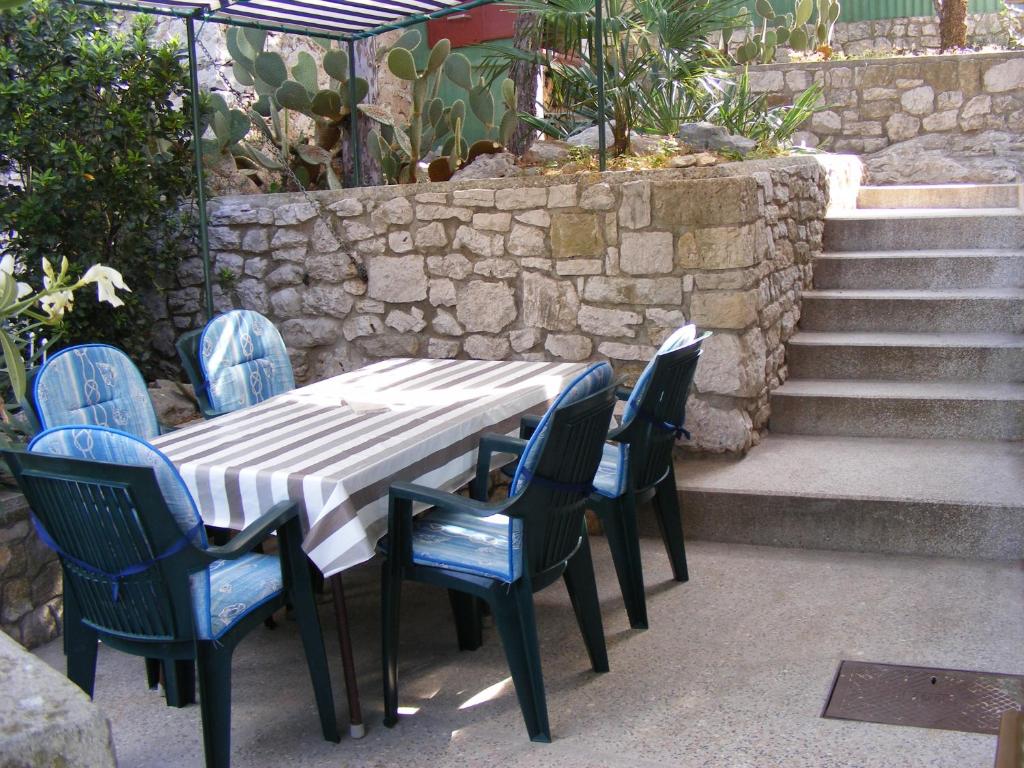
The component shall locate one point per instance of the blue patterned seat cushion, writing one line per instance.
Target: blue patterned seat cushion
(94, 384)
(243, 360)
(612, 474)
(227, 590)
(459, 541)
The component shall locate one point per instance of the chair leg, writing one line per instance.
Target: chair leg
(153, 673)
(313, 643)
(579, 581)
(213, 668)
(666, 507)
(80, 645)
(468, 621)
(391, 593)
(179, 682)
(517, 626)
(619, 520)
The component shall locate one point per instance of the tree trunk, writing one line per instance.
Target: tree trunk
(524, 75)
(953, 25)
(366, 67)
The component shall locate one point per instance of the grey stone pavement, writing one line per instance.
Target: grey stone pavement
(733, 672)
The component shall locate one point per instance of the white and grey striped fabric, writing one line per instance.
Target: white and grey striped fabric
(336, 446)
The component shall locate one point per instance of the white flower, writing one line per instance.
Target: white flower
(7, 268)
(55, 304)
(107, 280)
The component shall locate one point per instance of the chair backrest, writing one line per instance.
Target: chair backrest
(188, 352)
(243, 360)
(126, 529)
(556, 471)
(93, 384)
(655, 412)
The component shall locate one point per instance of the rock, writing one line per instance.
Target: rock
(442, 292)
(568, 346)
(1006, 76)
(360, 326)
(497, 166)
(901, 127)
(576, 234)
(398, 210)
(309, 332)
(733, 365)
(646, 253)
(481, 243)
(173, 402)
(331, 300)
(705, 136)
(716, 429)
(486, 347)
(518, 198)
(444, 322)
(494, 222)
(639, 144)
(396, 278)
(724, 309)
(406, 322)
(526, 241)
(682, 161)
(608, 322)
(524, 339)
(634, 290)
(635, 210)
(481, 198)
(617, 351)
(548, 303)
(431, 236)
(597, 197)
(454, 265)
(485, 306)
(918, 101)
(547, 151)
(442, 349)
(389, 345)
(989, 157)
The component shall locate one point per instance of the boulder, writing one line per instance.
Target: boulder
(705, 136)
(989, 157)
(496, 166)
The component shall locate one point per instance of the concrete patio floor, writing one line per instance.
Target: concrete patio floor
(733, 672)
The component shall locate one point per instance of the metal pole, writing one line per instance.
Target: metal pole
(357, 171)
(197, 146)
(602, 148)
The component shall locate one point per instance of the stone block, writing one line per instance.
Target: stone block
(454, 265)
(618, 351)
(633, 290)
(332, 300)
(445, 323)
(436, 212)
(324, 239)
(291, 254)
(918, 101)
(901, 127)
(1006, 76)
(480, 243)
(486, 347)
(724, 309)
(442, 349)
(499, 268)
(568, 346)
(562, 196)
(608, 322)
(310, 332)
(940, 121)
(480, 198)
(286, 303)
(389, 345)
(716, 429)
(635, 209)
(724, 248)
(256, 241)
(294, 213)
(442, 292)
(549, 303)
(732, 364)
(576, 234)
(357, 230)
(537, 218)
(431, 236)
(495, 222)
(361, 325)
(679, 205)
(646, 253)
(597, 197)
(286, 238)
(519, 198)
(330, 267)
(662, 322)
(406, 322)
(396, 279)
(525, 339)
(397, 210)
(286, 274)
(485, 306)
(437, 198)
(400, 242)
(572, 267)
(526, 241)
(348, 206)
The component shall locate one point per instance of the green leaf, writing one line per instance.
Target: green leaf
(238, 55)
(313, 154)
(508, 92)
(218, 103)
(336, 64)
(271, 69)
(764, 8)
(333, 182)
(362, 88)
(239, 126)
(509, 121)
(803, 11)
(324, 42)
(326, 103)
(305, 72)
(291, 95)
(242, 75)
(378, 113)
(15, 365)
(409, 40)
(438, 54)
(403, 141)
(481, 102)
(402, 64)
(459, 70)
(255, 39)
(798, 39)
(458, 110)
(434, 111)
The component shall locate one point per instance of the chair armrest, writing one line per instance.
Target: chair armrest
(257, 531)
(441, 499)
(491, 444)
(528, 425)
(623, 393)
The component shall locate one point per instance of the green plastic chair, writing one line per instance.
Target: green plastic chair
(501, 553)
(135, 578)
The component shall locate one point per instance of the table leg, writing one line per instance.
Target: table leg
(355, 710)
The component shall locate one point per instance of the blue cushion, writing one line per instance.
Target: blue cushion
(243, 360)
(610, 479)
(227, 590)
(239, 586)
(459, 541)
(94, 384)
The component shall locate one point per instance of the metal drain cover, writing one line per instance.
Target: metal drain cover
(950, 699)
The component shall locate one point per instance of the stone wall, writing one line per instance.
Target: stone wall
(567, 268)
(885, 36)
(963, 114)
(31, 609)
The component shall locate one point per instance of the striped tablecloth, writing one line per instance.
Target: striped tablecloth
(336, 446)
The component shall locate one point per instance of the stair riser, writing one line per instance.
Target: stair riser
(923, 234)
(1004, 315)
(913, 273)
(974, 196)
(852, 525)
(995, 364)
(941, 418)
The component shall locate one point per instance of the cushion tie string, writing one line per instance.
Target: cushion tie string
(117, 576)
(547, 482)
(666, 426)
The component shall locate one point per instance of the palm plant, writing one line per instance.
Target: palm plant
(747, 114)
(656, 57)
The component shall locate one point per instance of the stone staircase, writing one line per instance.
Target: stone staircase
(900, 426)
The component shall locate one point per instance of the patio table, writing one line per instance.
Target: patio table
(336, 446)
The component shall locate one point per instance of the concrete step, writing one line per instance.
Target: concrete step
(894, 229)
(961, 410)
(934, 497)
(940, 196)
(989, 357)
(999, 310)
(920, 269)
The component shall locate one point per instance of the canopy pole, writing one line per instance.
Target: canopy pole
(357, 171)
(602, 148)
(197, 146)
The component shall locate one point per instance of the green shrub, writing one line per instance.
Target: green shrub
(95, 158)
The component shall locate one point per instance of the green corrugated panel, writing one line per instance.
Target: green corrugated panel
(863, 10)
